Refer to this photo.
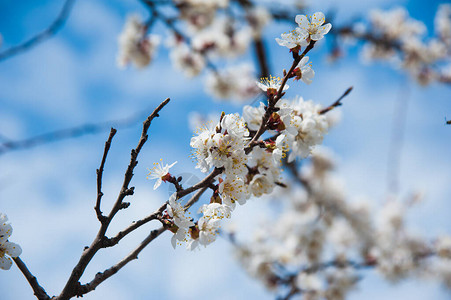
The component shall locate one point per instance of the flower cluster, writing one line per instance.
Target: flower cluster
(7, 249)
(309, 29)
(297, 125)
(235, 82)
(306, 32)
(321, 240)
(199, 13)
(134, 45)
(400, 39)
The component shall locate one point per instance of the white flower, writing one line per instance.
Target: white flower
(233, 190)
(134, 46)
(313, 29)
(260, 184)
(443, 246)
(221, 38)
(188, 61)
(215, 210)
(271, 85)
(266, 163)
(208, 229)
(235, 82)
(177, 213)
(253, 116)
(179, 236)
(293, 39)
(309, 282)
(306, 129)
(396, 24)
(160, 173)
(304, 71)
(222, 146)
(442, 22)
(258, 17)
(6, 247)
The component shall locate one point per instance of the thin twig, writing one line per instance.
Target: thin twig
(170, 24)
(201, 184)
(195, 197)
(68, 133)
(336, 103)
(120, 235)
(38, 290)
(42, 36)
(273, 99)
(102, 276)
(99, 172)
(72, 286)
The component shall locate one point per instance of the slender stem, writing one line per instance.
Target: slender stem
(42, 36)
(273, 99)
(132, 227)
(38, 290)
(201, 184)
(102, 276)
(99, 172)
(72, 286)
(336, 103)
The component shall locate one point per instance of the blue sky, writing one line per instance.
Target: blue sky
(48, 192)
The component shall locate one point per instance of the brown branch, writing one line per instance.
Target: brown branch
(120, 235)
(170, 24)
(102, 276)
(72, 286)
(274, 98)
(99, 172)
(195, 197)
(38, 290)
(260, 50)
(42, 36)
(201, 184)
(259, 45)
(336, 103)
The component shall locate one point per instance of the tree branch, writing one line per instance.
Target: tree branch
(38, 290)
(73, 132)
(336, 103)
(72, 286)
(154, 216)
(99, 172)
(274, 98)
(102, 276)
(42, 36)
(201, 184)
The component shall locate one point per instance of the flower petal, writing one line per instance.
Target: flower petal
(318, 18)
(302, 21)
(262, 86)
(174, 241)
(303, 61)
(5, 263)
(5, 232)
(12, 249)
(321, 32)
(157, 184)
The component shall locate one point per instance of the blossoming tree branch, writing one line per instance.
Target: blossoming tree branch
(320, 242)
